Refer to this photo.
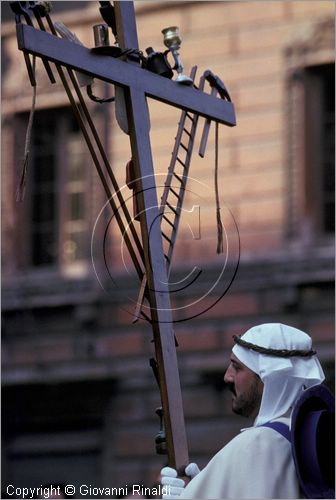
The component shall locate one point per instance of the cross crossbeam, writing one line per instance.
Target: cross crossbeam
(121, 73)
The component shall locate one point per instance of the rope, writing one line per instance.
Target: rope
(280, 353)
(98, 99)
(218, 208)
(20, 192)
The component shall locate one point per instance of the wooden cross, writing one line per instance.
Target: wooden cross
(138, 84)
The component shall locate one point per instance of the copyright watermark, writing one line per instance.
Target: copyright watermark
(70, 489)
(196, 278)
(86, 490)
(37, 492)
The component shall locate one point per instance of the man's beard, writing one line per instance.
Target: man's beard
(246, 404)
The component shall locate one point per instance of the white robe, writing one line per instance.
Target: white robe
(256, 464)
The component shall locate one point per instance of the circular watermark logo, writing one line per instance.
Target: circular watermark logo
(181, 239)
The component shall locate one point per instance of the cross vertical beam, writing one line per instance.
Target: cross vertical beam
(157, 279)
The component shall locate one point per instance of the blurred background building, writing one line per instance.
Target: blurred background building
(78, 395)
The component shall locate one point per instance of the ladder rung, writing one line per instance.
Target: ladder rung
(178, 178)
(183, 146)
(175, 193)
(191, 117)
(172, 208)
(186, 131)
(180, 161)
(169, 221)
(166, 237)
(166, 257)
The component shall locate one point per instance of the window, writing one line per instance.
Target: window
(56, 212)
(75, 217)
(319, 82)
(311, 136)
(43, 188)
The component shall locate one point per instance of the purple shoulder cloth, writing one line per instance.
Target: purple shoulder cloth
(312, 437)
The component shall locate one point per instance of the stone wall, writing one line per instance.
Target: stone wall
(79, 397)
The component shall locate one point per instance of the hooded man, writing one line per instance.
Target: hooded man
(270, 366)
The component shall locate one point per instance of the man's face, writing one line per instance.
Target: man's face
(246, 388)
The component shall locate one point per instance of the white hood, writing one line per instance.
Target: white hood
(283, 378)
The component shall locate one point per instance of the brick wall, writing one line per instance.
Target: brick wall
(60, 332)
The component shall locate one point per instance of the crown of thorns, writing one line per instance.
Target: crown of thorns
(281, 353)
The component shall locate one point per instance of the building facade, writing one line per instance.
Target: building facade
(78, 394)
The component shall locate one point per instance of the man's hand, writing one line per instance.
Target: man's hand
(174, 486)
(192, 470)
